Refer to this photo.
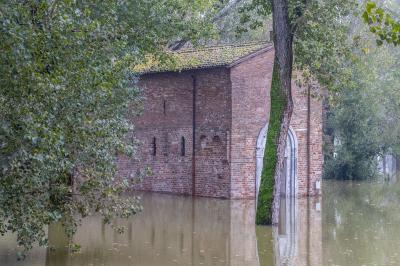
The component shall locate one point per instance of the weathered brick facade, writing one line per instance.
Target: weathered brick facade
(222, 108)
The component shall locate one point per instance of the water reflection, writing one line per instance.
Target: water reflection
(298, 239)
(387, 166)
(356, 223)
(361, 223)
(181, 231)
(171, 231)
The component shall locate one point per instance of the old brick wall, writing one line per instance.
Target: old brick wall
(299, 124)
(168, 118)
(316, 145)
(251, 80)
(232, 106)
(213, 122)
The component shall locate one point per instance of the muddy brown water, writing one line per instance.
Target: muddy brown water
(353, 223)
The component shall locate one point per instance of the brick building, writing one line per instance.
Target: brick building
(203, 128)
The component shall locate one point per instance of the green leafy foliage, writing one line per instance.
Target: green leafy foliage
(65, 89)
(322, 48)
(253, 15)
(382, 24)
(358, 136)
(364, 118)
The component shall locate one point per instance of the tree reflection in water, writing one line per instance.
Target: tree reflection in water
(361, 223)
(176, 230)
(297, 241)
(171, 230)
(356, 223)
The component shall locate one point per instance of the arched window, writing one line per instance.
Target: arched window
(154, 144)
(183, 146)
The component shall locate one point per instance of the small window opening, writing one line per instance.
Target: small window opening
(165, 144)
(154, 146)
(203, 141)
(183, 146)
(164, 107)
(216, 139)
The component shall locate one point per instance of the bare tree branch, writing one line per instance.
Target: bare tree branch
(301, 19)
(175, 46)
(225, 11)
(222, 13)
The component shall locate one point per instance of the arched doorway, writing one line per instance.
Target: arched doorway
(286, 234)
(289, 182)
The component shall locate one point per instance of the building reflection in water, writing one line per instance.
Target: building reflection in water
(170, 231)
(176, 230)
(360, 227)
(298, 238)
(388, 167)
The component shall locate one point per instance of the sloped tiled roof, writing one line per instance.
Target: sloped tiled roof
(211, 56)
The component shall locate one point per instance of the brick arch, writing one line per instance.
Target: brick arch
(290, 186)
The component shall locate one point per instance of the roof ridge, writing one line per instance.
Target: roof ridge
(219, 46)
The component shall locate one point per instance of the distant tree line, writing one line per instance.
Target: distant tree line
(363, 121)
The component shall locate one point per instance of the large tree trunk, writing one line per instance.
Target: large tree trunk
(280, 115)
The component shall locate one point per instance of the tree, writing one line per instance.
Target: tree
(65, 88)
(364, 118)
(315, 31)
(358, 137)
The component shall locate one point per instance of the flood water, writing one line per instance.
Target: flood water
(354, 223)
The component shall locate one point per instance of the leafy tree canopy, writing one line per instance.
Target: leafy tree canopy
(322, 48)
(64, 92)
(364, 116)
(382, 23)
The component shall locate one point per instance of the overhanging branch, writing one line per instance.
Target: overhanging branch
(222, 13)
(302, 18)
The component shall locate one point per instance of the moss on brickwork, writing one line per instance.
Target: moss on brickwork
(266, 193)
